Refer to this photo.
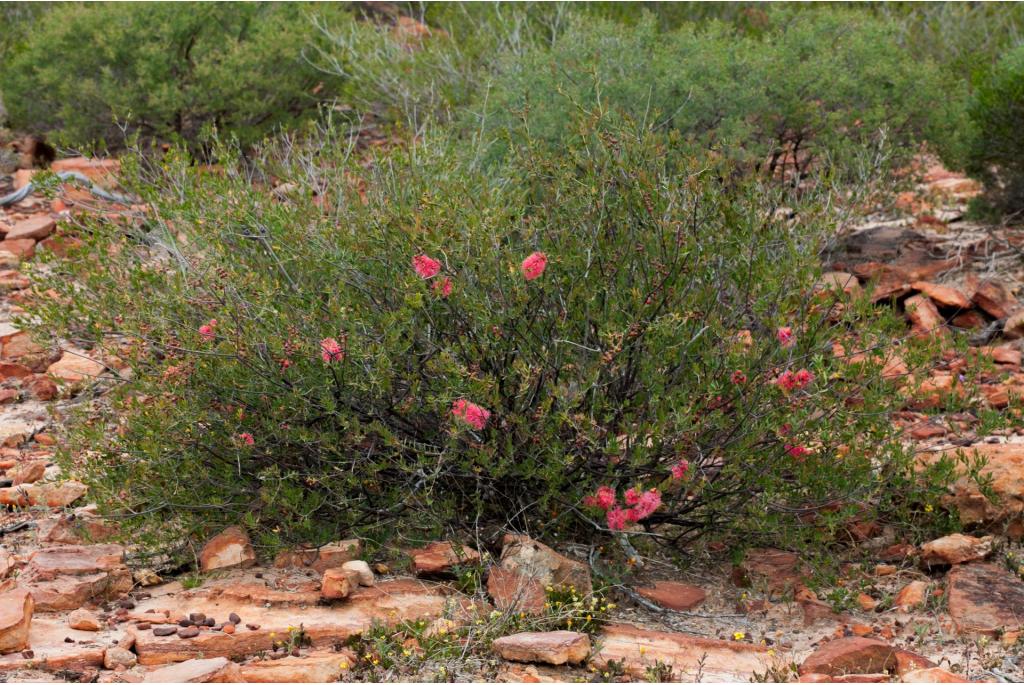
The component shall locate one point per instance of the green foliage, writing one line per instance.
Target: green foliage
(625, 357)
(815, 88)
(997, 141)
(165, 70)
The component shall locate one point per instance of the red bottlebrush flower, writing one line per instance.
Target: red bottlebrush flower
(247, 439)
(534, 265)
(443, 287)
(426, 267)
(738, 378)
(617, 518)
(680, 469)
(787, 381)
(804, 378)
(604, 498)
(473, 414)
(207, 330)
(632, 496)
(648, 504)
(785, 336)
(796, 450)
(330, 350)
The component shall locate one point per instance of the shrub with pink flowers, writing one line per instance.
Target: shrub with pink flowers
(605, 339)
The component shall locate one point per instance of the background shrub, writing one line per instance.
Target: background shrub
(165, 70)
(813, 87)
(625, 358)
(996, 151)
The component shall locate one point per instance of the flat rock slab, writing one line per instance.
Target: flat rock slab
(216, 670)
(326, 626)
(442, 557)
(315, 667)
(985, 599)
(638, 649)
(36, 228)
(673, 595)
(556, 647)
(51, 653)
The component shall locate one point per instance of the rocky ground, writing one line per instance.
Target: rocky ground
(75, 606)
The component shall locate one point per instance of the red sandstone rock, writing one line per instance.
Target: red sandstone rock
(556, 647)
(673, 595)
(229, 548)
(442, 557)
(35, 228)
(913, 595)
(216, 670)
(15, 620)
(955, 549)
(942, 295)
(985, 599)
(851, 655)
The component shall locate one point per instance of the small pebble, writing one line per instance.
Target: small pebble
(185, 633)
(28, 654)
(228, 628)
(163, 631)
(210, 622)
(258, 574)
(252, 626)
(69, 640)
(184, 623)
(143, 626)
(197, 619)
(127, 603)
(234, 618)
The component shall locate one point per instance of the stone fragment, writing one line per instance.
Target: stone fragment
(955, 549)
(363, 570)
(80, 619)
(1005, 467)
(227, 549)
(556, 647)
(851, 655)
(526, 568)
(942, 295)
(338, 583)
(16, 609)
(34, 228)
(118, 656)
(839, 282)
(439, 558)
(909, 661)
(322, 558)
(75, 367)
(189, 632)
(27, 472)
(994, 298)
(924, 317)
(22, 248)
(673, 595)
(216, 670)
(985, 599)
(913, 595)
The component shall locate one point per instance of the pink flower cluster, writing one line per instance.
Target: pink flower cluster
(785, 336)
(738, 378)
(473, 414)
(639, 505)
(208, 330)
(330, 350)
(426, 267)
(443, 287)
(796, 450)
(534, 265)
(680, 469)
(246, 439)
(789, 381)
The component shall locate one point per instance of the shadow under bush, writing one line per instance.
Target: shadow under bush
(300, 366)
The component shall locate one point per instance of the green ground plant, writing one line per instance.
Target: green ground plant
(597, 338)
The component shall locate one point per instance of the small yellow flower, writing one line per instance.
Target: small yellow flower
(771, 652)
(928, 508)
(738, 635)
(611, 606)
(643, 650)
(343, 665)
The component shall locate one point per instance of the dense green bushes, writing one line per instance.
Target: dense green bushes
(165, 70)
(818, 87)
(306, 370)
(996, 151)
